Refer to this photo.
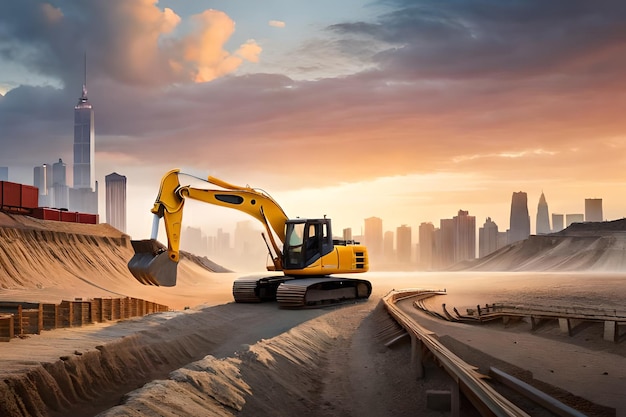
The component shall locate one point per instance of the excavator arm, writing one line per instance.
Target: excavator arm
(156, 265)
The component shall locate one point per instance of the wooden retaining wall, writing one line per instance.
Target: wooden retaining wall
(20, 318)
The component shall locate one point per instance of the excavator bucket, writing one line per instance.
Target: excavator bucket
(151, 264)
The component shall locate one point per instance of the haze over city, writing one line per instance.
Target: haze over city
(404, 110)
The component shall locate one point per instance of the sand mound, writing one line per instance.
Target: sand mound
(318, 368)
(47, 261)
(581, 247)
(288, 363)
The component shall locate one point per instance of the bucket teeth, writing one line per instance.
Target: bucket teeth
(151, 264)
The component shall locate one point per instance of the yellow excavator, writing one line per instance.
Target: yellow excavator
(307, 259)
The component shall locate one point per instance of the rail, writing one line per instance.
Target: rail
(482, 395)
(573, 312)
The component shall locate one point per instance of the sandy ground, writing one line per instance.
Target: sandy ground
(221, 358)
(341, 367)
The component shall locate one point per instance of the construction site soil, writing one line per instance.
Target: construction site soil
(212, 357)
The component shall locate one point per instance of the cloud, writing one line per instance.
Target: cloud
(428, 87)
(203, 50)
(129, 41)
(52, 14)
(490, 38)
(276, 24)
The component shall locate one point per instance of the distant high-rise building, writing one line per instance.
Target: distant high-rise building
(4, 173)
(574, 218)
(519, 228)
(84, 143)
(347, 233)
(593, 210)
(464, 236)
(222, 243)
(403, 243)
(374, 238)
(84, 195)
(558, 222)
(60, 190)
(445, 243)
(59, 173)
(543, 217)
(249, 248)
(42, 179)
(115, 189)
(487, 238)
(192, 241)
(426, 244)
(389, 254)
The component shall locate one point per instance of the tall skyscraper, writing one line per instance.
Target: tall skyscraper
(84, 142)
(427, 244)
(464, 236)
(543, 217)
(519, 228)
(593, 210)
(403, 243)
(374, 239)
(84, 195)
(115, 188)
(487, 238)
(558, 222)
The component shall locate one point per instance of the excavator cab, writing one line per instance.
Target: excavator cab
(306, 241)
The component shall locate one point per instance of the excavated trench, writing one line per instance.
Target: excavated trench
(90, 381)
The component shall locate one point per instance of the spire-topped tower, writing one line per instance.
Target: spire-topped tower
(543, 217)
(84, 139)
(84, 194)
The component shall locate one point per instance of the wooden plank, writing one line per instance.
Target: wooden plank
(96, 310)
(6, 327)
(50, 316)
(66, 314)
(116, 309)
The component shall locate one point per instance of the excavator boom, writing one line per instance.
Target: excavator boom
(153, 264)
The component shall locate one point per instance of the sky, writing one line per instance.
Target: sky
(407, 110)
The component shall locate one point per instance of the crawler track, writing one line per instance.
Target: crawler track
(321, 291)
(292, 292)
(257, 288)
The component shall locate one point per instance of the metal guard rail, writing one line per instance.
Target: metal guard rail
(470, 381)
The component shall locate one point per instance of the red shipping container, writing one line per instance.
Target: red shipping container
(87, 218)
(30, 197)
(11, 194)
(69, 216)
(45, 213)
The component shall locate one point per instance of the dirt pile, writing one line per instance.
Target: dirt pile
(597, 246)
(288, 364)
(46, 261)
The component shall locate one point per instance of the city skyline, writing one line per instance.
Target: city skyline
(408, 110)
(432, 247)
